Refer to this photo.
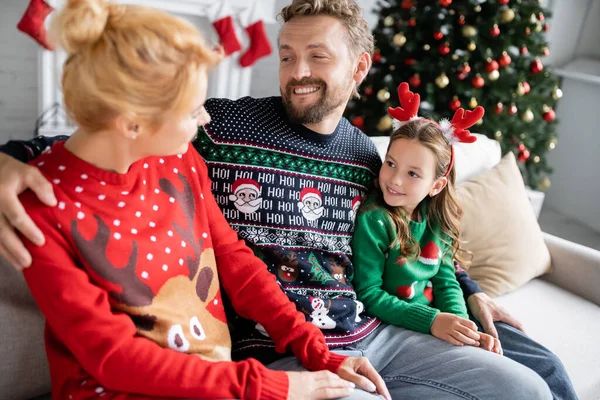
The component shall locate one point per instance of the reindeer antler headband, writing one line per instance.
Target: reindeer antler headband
(454, 131)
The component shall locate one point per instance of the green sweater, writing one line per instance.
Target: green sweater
(401, 292)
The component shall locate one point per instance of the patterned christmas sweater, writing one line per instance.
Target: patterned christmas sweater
(292, 194)
(403, 291)
(129, 281)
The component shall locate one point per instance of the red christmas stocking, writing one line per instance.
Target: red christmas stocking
(222, 21)
(259, 44)
(32, 22)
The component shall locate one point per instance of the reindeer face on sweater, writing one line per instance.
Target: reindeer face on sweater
(288, 270)
(185, 313)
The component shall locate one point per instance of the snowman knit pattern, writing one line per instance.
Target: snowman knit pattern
(406, 292)
(292, 195)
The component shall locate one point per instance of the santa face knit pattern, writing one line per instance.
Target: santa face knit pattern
(292, 194)
(404, 291)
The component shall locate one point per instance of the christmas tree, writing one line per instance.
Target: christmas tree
(465, 53)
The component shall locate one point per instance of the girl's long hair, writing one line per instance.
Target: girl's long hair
(443, 210)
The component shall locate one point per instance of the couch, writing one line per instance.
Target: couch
(561, 310)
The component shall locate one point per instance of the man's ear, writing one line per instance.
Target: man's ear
(127, 127)
(362, 67)
(438, 186)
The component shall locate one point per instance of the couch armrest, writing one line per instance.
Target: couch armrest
(575, 268)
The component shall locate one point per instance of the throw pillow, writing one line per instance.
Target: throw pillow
(500, 228)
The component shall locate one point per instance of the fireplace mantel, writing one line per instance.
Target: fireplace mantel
(228, 79)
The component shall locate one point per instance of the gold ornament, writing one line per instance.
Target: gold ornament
(442, 81)
(426, 47)
(520, 89)
(527, 116)
(538, 27)
(552, 144)
(556, 93)
(451, 12)
(383, 95)
(522, 136)
(469, 31)
(507, 15)
(392, 67)
(479, 122)
(473, 102)
(544, 183)
(388, 21)
(494, 75)
(399, 39)
(477, 8)
(455, 57)
(533, 19)
(384, 124)
(471, 46)
(498, 135)
(536, 159)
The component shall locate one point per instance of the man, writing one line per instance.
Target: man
(287, 172)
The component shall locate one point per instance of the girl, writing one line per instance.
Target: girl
(137, 249)
(406, 233)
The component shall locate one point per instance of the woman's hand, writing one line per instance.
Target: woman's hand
(317, 386)
(359, 371)
(456, 330)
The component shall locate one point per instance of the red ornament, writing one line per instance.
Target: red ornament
(409, 61)
(503, 2)
(444, 49)
(368, 91)
(526, 87)
(546, 51)
(358, 122)
(549, 115)
(445, 3)
(541, 16)
(491, 65)
(477, 82)
(454, 104)
(407, 4)
(376, 56)
(536, 66)
(512, 110)
(464, 71)
(414, 80)
(438, 35)
(524, 50)
(546, 27)
(494, 31)
(498, 109)
(521, 147)
(412, 22)
(504, 60)
(461, 20)
(524, 155)
(528, 31)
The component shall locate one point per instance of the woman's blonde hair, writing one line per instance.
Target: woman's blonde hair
(348, 12)
(443, 210)
(127, 60)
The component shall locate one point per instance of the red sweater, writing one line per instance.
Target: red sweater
(128, 282)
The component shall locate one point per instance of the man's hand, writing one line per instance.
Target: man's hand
(359, 371)
(454, 329)
(15, 178)
(486, 312)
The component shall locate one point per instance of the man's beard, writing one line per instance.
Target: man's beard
(329, 100)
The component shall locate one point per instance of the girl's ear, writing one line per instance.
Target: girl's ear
(438, 186)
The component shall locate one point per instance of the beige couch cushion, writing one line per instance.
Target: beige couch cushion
(564, 323)
(500, 229)
(23, 366)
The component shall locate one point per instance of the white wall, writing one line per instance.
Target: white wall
(18, 75)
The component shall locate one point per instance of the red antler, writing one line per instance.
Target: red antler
(409, 101)
(465, 119)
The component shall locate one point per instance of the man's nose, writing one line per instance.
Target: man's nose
(301, 70)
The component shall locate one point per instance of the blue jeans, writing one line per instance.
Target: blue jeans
(419, 366)
(524, 350)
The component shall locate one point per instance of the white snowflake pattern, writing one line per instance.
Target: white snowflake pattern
(256, 235)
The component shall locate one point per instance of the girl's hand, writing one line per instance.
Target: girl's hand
(456, 330)
(317, 386)
(490, 343)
